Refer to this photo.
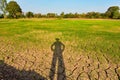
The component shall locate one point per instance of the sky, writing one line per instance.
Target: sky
(67, 6)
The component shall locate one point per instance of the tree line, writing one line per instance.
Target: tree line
(13, 10)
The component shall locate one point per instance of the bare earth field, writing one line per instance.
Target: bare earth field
(92, 49)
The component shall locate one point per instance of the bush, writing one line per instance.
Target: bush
(51, 15)
(29, 14)
(37, 15)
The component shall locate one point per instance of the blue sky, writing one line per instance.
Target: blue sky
(58, 6)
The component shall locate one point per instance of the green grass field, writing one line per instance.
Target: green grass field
(80, 37)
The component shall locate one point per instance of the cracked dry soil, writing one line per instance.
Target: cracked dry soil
(35, 64)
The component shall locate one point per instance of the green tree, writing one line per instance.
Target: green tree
(113, 12)
(43, 15)
(38, 15)
(119, 16)
(1, 15)
(29, 14)
(51, 15)
(14, 9)
(69, 15)
(83, 15)
(3, 4)
(93, 15)
(76, 15)
(62, 14)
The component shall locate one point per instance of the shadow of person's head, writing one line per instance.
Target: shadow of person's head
(57, 46)
(57, 39)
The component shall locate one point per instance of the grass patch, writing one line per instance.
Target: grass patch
(100, 36)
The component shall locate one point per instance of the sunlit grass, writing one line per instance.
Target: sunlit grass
(100, 36)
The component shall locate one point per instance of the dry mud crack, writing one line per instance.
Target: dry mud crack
(35, 64)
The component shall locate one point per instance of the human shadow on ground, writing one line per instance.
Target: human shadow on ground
(57, 48)
(8, 72)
